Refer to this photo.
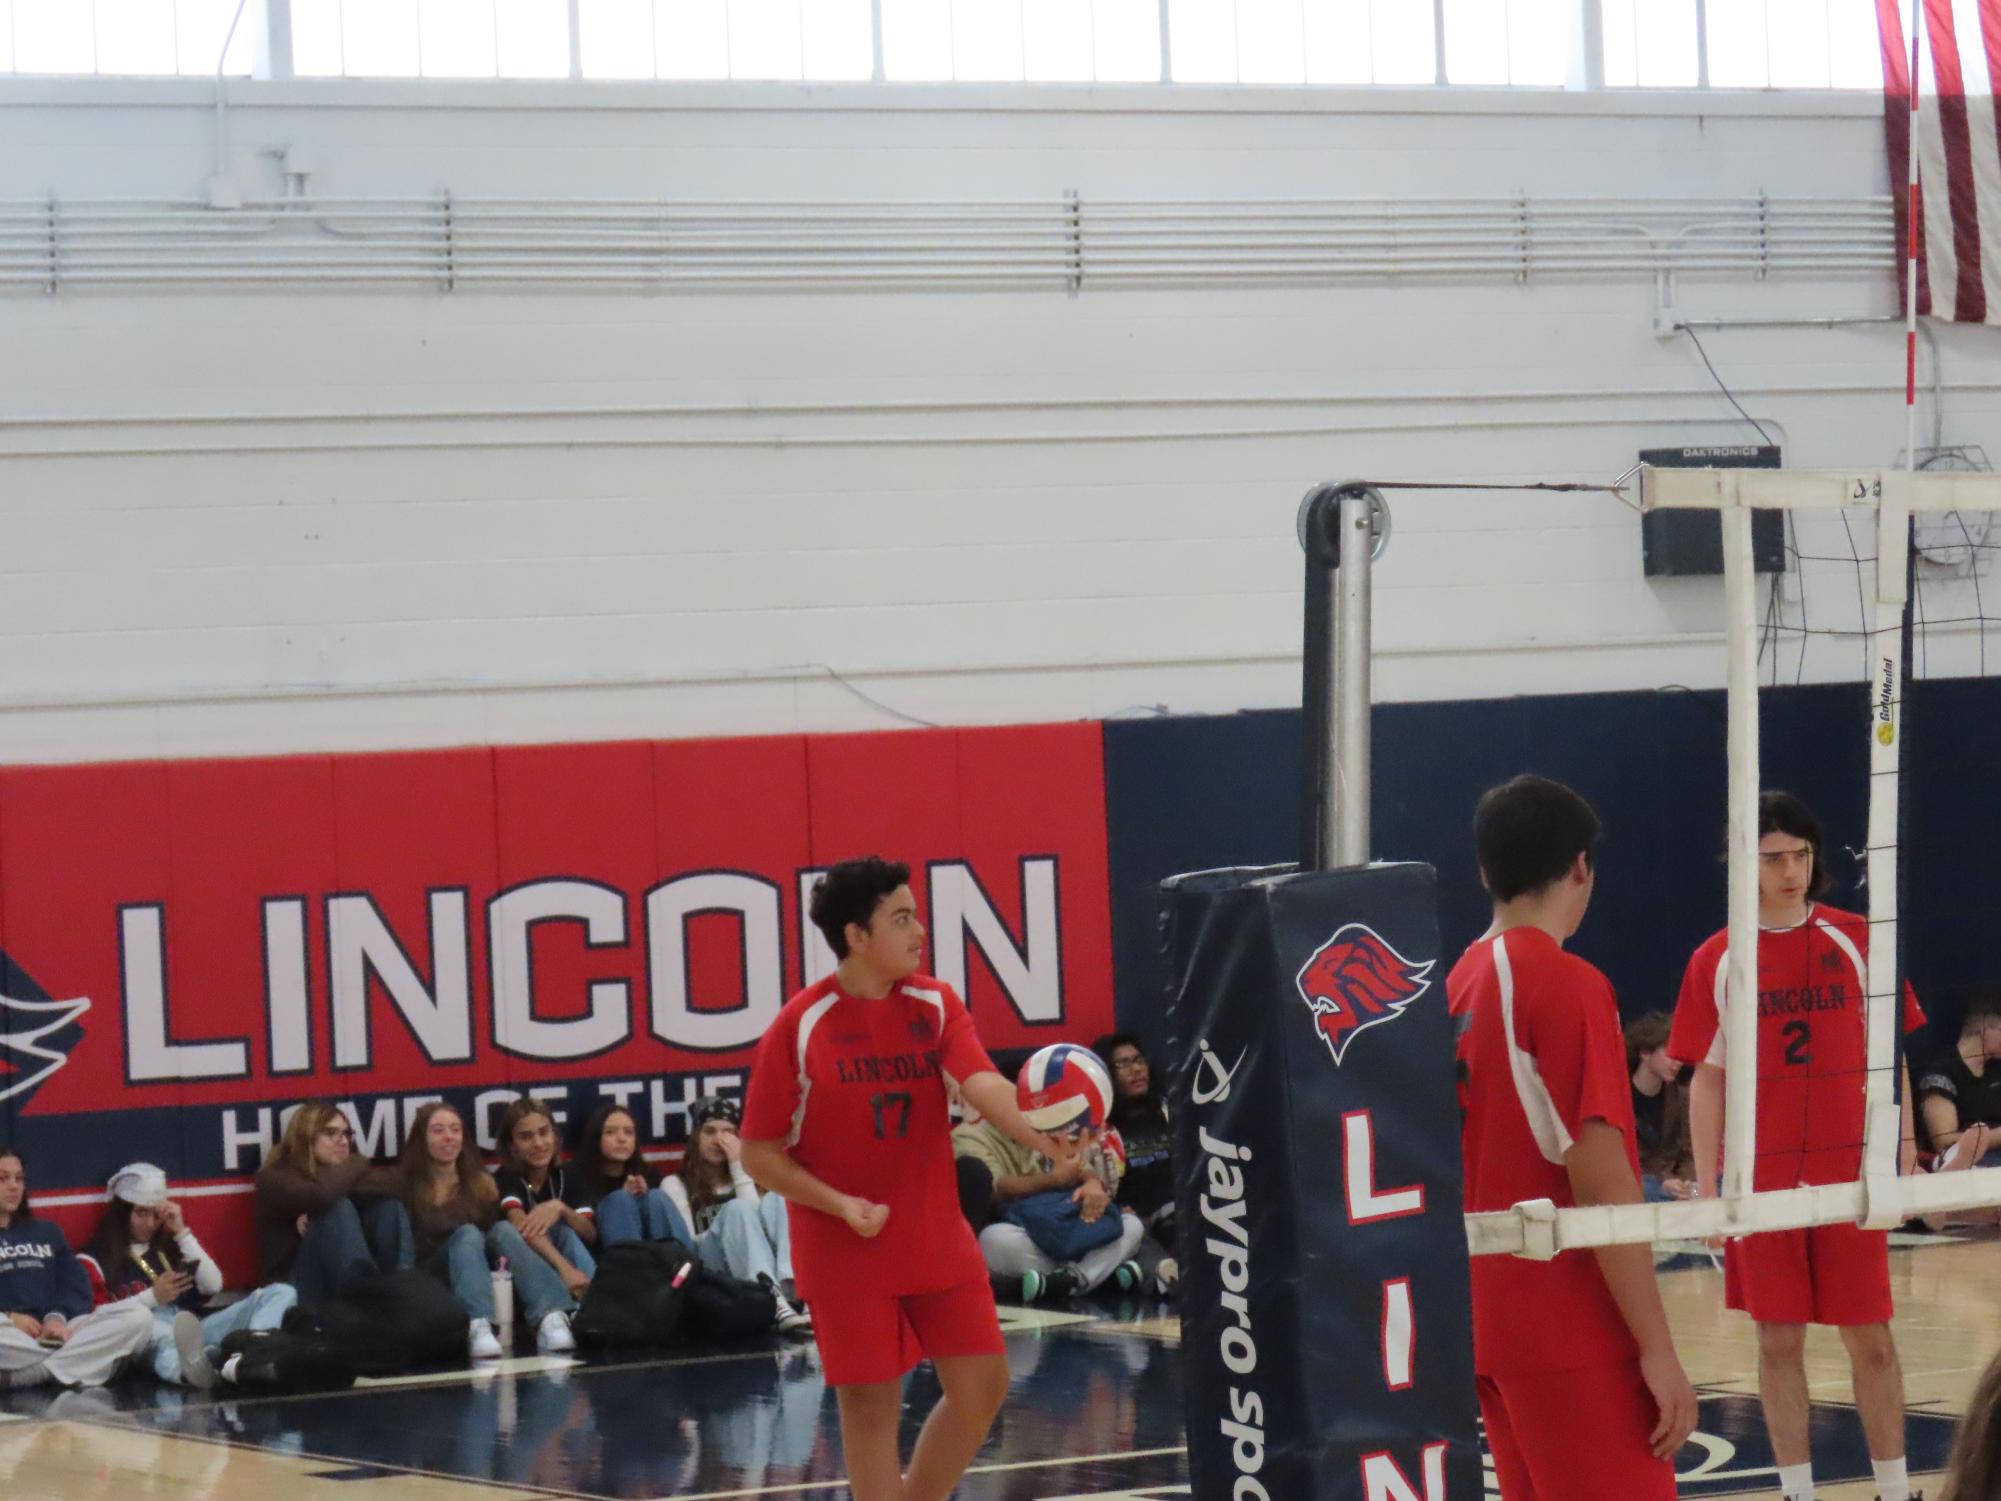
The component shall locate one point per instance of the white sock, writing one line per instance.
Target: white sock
(1893, 1479)
(229, 1366)
(1796, 1482)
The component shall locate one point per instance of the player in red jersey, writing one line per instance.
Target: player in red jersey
(1577, 1345)
(847, 1119)
(1812, 1069)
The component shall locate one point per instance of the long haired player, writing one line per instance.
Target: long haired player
(1813, 1057)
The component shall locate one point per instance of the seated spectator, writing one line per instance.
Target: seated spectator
(736, 1231)
(1139, 1115)
(1660, 1110)
(1022, 1270)
(49, 1330)
(619, 1187)
(1959, 1090)
(1974, 1472)
(538, 1196)
(450, 1214)
(310, 1232)
(144, 1252)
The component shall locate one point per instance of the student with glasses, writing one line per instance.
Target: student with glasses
(310, 1232)
(1139, 1115)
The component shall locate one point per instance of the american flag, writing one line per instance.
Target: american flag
(1958, 239)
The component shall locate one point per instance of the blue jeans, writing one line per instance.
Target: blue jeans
(749, 1243)
(649, 1216)
(263, 1309)
(349, 1242)
(465, 1263)
(570, 1246)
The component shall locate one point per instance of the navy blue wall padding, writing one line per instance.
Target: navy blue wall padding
(1306, 1010)
(1198, 793)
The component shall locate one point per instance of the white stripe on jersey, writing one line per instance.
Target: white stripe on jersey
(1545, 1123)
(807, 1022)
(1717, 1051)
(936, 1000)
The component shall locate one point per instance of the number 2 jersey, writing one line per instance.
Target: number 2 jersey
(856, 1089)
(1813, 1050)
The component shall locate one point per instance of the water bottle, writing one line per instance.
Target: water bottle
(503, 1303)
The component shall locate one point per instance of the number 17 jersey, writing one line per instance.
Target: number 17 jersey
(1813, 1050)
(856, 1089)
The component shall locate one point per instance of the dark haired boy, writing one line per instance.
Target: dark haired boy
(1959, 1090)
(847, 1119)
(1813, 1060)
(1576, 1346)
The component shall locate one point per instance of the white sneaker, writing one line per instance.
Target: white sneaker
(481, 1341)
(196, 1369)
(794, 1321)
(784, 1317)
(552, 1335)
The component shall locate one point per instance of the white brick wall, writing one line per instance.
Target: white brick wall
(275, 521)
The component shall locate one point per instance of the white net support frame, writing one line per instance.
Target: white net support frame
(1880, 1198)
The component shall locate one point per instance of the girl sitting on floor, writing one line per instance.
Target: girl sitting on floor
(539, 1194)
(144, 1252)
(450, 1217)
(736, 1231)
(310, 1233)
(49, 1330)
(619, 1187)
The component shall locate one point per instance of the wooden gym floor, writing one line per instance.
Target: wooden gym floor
(1094, 1416)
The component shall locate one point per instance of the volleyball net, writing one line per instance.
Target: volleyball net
(1882, 585)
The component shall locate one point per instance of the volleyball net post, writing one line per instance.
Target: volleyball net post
(1880, 1197)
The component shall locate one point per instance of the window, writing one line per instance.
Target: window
(692, 39)
(1650, 44)
(1305, 41)
(1793, 44)
(1033, 41)
(430, 38)
(126, 36)
(1528, 42)
(1725, 44)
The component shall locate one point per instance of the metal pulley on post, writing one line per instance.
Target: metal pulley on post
(1343, 528)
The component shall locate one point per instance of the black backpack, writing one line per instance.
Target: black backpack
(719, 1309)
(388, 1322)
(279, 1360)
(637, 1295)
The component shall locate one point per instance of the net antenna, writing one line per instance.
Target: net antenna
(1880, 1198)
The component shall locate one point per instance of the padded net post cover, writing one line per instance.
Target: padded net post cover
(1303, 1006)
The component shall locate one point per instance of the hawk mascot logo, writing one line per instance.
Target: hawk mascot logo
(1354, 981)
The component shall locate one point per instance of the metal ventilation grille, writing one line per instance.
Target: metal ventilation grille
(448, 243)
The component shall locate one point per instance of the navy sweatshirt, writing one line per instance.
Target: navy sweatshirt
(39, 1274)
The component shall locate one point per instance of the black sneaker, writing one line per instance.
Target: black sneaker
(1009, 1287)
(1128, 1277)
(1061, 1285)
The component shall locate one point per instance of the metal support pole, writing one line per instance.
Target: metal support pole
(1740, 1003)
(1343, 529)
(1348, 763)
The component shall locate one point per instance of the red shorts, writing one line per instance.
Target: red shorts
(866, 1337)
(1537, 1426)
(1829, 1274)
